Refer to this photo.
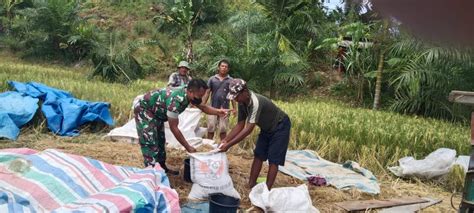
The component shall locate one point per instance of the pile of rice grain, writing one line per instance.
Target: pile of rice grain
(205, 148)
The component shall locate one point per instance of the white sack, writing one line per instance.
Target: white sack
(210, 174)
(436, 164)
(285, 199)
(463, 160)
(188, 124)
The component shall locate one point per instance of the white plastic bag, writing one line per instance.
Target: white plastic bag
(285, 199)
(210, 174)
(126, 133)
(436, 164)
(188, 124)
(463, 160)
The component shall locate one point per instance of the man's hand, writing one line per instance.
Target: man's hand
(223, 112)
(223, 141)
(234, 112)
(190, 149)
(224, 147)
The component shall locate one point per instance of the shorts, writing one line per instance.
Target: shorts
(272, 146)
(213, 121)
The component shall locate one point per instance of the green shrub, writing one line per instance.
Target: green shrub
(142, 28)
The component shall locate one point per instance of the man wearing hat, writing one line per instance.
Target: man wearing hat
(272, 143)
(180, 77)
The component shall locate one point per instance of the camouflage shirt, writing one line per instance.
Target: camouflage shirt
(177, 80)
(163, 103)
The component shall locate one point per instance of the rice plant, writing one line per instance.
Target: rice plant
(338, 132)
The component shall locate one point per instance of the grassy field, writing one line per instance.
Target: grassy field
(75, 81)
(336, 131)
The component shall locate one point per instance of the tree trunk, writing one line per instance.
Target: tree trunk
(9, 20)
(248, 41)
(272, 90)
(189, 51)
(189, 28)
(378, 82)
(360, 89)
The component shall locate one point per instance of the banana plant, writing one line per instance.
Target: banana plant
(8, 7)
(182, 15)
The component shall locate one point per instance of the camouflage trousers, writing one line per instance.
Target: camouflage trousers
(151, 137)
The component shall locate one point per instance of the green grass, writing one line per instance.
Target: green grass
(119, 95)
(143, 27)
(335, 130)
(373, 138)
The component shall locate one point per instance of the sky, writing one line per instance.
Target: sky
(332, 4)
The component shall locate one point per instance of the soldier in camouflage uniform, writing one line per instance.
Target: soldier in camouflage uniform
(159, 106)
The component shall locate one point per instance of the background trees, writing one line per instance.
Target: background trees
(283, 48)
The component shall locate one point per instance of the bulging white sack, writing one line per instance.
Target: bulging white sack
(436, 164)
(285, 199)
(210, 174)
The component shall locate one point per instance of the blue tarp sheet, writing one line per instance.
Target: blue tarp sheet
(195, 207)
(15, 111)
(63, 112)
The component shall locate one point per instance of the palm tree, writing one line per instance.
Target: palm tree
(9, 8)
(358, 10)
(115, 62)
(423, 75)
(382, 41)
(293, 24)
(248, 22)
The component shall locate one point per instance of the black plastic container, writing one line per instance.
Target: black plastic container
(187, 170)
(222, 203)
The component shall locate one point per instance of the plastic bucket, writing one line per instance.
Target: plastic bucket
(222, 203)
(187, 170)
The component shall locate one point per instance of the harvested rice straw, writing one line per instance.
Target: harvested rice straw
(205, 148)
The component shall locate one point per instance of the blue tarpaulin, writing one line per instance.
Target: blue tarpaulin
(195, 207)
(63, 112)
(15, 111)
(40, 91)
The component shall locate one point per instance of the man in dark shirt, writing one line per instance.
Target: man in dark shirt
(272, 142)
(218, 90)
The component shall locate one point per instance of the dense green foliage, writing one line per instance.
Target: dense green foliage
(280, 47)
